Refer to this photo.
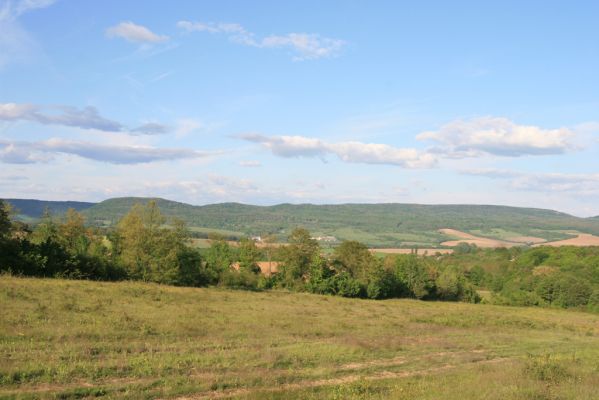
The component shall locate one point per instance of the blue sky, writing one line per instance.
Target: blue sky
(323, 102)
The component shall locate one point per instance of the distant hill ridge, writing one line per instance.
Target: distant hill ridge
(391, 224)
(32, 208)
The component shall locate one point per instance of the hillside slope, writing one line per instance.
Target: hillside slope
(75, 339)
(31, 208)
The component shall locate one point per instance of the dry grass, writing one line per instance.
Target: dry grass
(76, 339)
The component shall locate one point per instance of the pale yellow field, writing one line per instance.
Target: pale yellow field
(464, 237)
(583, 239)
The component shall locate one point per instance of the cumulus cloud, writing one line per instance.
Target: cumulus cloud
(352, 152)
(134, 33)
(374, 153)
(497, 136)
(304, 46)
(35, 152)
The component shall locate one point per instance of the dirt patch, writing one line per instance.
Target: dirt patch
(464, 237)
(582, 240)
(420, 252)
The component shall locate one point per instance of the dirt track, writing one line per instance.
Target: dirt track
(479, 359)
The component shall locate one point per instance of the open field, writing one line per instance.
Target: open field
(583, 239)
(464, 237)
(74, 339)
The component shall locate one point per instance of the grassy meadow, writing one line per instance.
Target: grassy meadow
(81, 339)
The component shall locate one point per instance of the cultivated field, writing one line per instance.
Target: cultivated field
(76, 339)
(464, 237)
(583, 239)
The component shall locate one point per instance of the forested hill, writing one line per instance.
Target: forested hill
(374, 224)
(32, 209)
(370, 223)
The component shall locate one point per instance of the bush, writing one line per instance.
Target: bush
(239, 279)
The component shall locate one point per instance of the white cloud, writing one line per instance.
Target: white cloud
(23, 6)
(304, 46)
(86, 118)
(290, 146)
(497, 136)
(374, 153)
(42, 151)
(14, 112)
(134, 33)
(490, 173)
(576, 184)
(211, 27)
(353, 152)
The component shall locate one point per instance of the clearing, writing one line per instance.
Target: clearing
(76, 339)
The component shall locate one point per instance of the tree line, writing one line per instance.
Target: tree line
(145, 246)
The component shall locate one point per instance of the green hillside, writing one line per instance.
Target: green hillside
(374, 224)
(31, 209)
(387, 225)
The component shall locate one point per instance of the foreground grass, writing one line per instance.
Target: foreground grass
(77, 339)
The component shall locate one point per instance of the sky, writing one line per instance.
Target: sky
(267, 102)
